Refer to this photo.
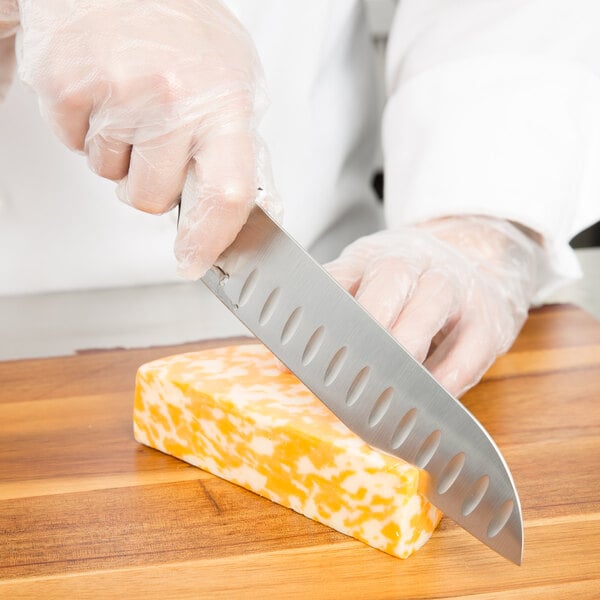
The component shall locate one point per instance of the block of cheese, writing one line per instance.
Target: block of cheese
(232, 412)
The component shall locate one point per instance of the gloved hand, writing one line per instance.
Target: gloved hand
(9, 21)
(454, 292)
(150, 91)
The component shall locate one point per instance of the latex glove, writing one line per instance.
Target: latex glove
(149, 90)
(454, 292)
(9, 21)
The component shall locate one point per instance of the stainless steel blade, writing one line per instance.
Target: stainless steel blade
(367, 379)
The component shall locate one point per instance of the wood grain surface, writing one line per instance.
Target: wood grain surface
(86, 512)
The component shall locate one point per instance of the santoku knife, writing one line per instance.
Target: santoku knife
(375, 387)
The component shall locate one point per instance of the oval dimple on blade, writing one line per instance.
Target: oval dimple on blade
(381, 406)
(357, 386)
(428, 448)
(291, 325)
(405, 426)
(335, 366)
(475, 495)
(450, 473)
(500, 519)
(269, 306)
(313, 345)
(248, 287)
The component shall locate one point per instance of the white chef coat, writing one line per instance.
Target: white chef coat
(494, 108)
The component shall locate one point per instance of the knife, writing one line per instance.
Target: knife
(367, 379)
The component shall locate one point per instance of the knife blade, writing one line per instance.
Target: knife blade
(367, 379)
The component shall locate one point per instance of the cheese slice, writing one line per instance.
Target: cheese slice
(232, 412)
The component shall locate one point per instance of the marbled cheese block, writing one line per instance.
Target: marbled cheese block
(232, 412)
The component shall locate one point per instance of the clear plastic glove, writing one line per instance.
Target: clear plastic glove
(454, 292)
(9, 21)
(9, 18)
(7, 64)
(150, 91)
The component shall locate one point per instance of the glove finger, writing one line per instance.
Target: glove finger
(349, 268)
(69, 117)
(218, 196)
(461, 358)
(347, 272)
(430, 308)
(157, 172)
(7, 64)
(108, 158)
(386, 287)
(9, 18)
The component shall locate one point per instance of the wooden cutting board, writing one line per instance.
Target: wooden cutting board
(86, 512)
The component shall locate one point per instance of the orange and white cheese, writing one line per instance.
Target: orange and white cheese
(232, 412)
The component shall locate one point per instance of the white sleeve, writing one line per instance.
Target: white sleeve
(494, 108)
